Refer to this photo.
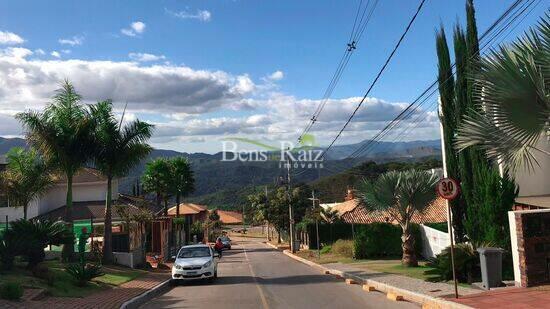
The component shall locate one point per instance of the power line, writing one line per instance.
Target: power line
(378, 75)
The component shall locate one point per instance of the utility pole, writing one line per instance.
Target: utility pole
(290, 210)
(313, 200)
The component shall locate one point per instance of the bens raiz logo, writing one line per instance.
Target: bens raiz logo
(305, 154)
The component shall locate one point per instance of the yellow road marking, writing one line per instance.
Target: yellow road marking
(260, 290)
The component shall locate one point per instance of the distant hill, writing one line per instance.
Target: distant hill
(226, 184)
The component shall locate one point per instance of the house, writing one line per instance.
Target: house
(89, 185)
(195, 212)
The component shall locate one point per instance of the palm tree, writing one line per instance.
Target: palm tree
(63, 135)
(158, 179)
(183, 183)
(330, 216)
(27, 177)
(512, 90)
(118, 148)
(401, 194)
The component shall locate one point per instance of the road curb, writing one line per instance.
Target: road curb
(147, 296)
(425, 300)
(271, 245)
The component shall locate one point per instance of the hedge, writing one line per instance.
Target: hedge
(371, 240)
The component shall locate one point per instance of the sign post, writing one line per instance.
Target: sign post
(448, 189)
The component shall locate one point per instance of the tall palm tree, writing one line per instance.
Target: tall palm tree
(118, 148)
(27, 177)
(183, 181)
(401, 194)
(513, 92)
(63, 135)
(158, 179)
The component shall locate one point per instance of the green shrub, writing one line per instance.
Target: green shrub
(42, 271)
(82, 272)
(382, 240)
(440, 226)
(466, 264)
(343, 248)
(326, 249)
(11, 290)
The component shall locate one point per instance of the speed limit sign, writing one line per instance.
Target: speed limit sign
(447, 188)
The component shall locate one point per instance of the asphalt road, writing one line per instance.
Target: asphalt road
(253, 275)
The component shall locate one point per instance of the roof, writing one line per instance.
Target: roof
(542, 201)
(87, 210)
(435, 212)
(345, 207)
(138, 201)
(85, 175)
(187, 209)
(230, 217)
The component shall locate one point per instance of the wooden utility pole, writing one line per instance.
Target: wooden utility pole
(313, 200)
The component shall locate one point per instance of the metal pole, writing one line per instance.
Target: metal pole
(449, 216)
(290, 212)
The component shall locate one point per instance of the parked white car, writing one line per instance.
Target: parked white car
(195, 262)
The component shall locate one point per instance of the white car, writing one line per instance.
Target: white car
(195, 262)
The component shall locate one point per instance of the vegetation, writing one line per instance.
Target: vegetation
(183, 184)
(401, 194)
(82, 273)
(343, 247)
(117, 149)
(382, 240)
(63, 134)
(157, 179)
(29, 238)
(466, 264)
(512, 80)
(27, 177)
(11, 291)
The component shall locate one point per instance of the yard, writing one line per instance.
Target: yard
(63, 285)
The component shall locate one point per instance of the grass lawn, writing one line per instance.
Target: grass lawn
(63, 285)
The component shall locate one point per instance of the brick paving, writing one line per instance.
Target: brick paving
(526, 298)
(112, 298)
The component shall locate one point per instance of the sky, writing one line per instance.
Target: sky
(203, 71)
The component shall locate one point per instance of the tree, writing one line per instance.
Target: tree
(157, 179)
(27, 177)
(401, 194)
(118, 148)
(182, 180)
(63, 134)
(512, 95)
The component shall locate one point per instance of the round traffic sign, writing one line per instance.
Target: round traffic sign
(448, 188)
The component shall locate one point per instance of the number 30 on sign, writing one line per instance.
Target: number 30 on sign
(448, 188)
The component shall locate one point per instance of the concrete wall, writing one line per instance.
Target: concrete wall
(130, 259)
(433, 241)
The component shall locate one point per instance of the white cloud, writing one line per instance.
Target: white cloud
(151, 89)
(145, 57)
(136, 28)
(55, 54)
(277, 75)
(39, 51)
(10, 38)
(66, 51)
(202, 15)
(75, 40)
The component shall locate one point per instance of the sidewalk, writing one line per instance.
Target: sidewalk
(433, 289)
(112, 298)
(530, 298)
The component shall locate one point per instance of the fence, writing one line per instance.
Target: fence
(433, 241)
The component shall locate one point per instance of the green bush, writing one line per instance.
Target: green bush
(42, 271)
(82, 272)
(440, 226)
(343, 247)
(11, 290)
(329, 233)
(326, 249)
(382, 240)
(466, 264)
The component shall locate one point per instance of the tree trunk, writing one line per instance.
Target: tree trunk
(278, 236)
(108, 234)
(68, 249)
(409, 256)
(166, 207)
(25, 211)
(177, 216)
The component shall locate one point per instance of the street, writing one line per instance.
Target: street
(252, 275)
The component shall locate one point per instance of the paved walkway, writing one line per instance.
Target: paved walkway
(530, 298)
(434, 289)
(112, 298)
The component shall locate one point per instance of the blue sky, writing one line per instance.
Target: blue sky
(226, 68)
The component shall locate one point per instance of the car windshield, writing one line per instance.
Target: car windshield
(224, 238)
(197, 252)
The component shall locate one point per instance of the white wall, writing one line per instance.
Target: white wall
(433, 241)
(536, 182)
(56, 197)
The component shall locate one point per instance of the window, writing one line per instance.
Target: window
(195, 252)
